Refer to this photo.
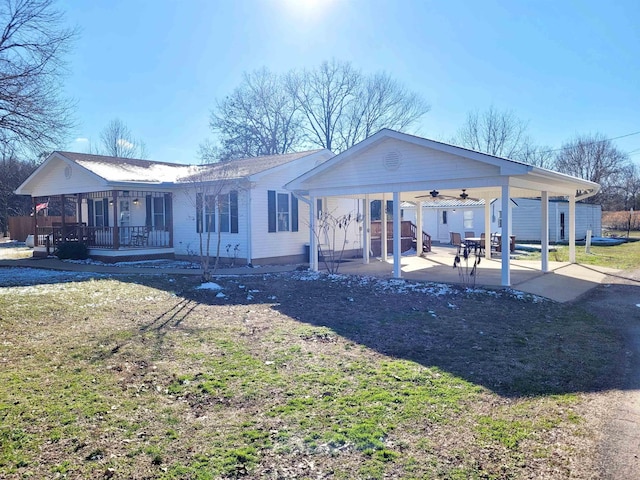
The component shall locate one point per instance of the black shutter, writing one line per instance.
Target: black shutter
(199, 213)
(90, 211)
(233, 204)
(294, 213)
(168, 211)
(105, 211)
(271, 205)
(148, 221)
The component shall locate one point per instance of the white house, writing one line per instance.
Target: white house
(440, 217)
(131, 209)
(268, 209)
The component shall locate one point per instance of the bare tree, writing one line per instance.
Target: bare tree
(258, 118)
(333, 106)
(594, 158)
(326, 97)
(33, 41)
(539, 156)
(13, 172)
(380, 102)
(205, 189)
(494, 132)
(117, 141)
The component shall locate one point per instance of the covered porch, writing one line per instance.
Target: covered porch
(392, 166)
(113, 224)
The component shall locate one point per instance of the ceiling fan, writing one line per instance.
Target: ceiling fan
(435, 194)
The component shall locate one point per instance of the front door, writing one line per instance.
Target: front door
(125, 222)
(443, 226)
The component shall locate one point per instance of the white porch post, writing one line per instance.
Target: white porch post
(505, 241)
(383, 224)
(544, 230)
(397, 224)
(572, 228)
(366, 229)
(313, 241)
(418, 228)
(487, 227)
(249, 221)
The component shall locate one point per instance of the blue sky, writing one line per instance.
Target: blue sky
(566, 67)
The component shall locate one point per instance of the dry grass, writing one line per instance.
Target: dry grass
(293, 376)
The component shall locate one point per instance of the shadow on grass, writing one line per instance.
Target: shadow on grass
(511, 345)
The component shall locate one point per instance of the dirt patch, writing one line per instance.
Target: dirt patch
(618, 303)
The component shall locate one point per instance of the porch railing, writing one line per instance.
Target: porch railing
(103, 237)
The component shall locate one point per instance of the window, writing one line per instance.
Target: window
(444, 217)
(467, 216)
(159, 212)
(98, 212)
(207, 206)
(282, 212)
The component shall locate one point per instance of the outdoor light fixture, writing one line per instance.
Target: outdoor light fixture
(110, 202)
(135, 201)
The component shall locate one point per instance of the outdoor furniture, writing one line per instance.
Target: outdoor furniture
(477, 243)
(456, 240)
(469, 234)
(512, 243)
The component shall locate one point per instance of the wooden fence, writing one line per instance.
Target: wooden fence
(21, 227)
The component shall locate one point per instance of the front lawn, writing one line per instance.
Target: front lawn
(296, 376)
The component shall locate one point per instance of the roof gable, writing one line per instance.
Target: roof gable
(59, 175)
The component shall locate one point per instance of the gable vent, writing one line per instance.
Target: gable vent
(392, 160)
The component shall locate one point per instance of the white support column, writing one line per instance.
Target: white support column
(366, 229)
(544, 231)
(487, 227)
(249, 236)
(383, 225)
(397, 239)
(505, 240)
(419, 229)
(572, 228)
(313, 241)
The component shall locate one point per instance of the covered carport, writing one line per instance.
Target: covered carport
(404, 168)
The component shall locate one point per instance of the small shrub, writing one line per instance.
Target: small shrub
(73, 251)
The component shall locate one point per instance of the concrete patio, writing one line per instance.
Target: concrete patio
(564, 282)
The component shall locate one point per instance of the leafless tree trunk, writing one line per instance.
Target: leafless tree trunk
(33, 41)
(117, 141)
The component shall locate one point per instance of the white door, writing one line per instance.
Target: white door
(444, 218)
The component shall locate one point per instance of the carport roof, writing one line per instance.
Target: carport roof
(391, 161)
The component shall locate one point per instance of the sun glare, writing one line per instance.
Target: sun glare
(307, 8)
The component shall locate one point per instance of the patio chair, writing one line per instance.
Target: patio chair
(469, 234)
(456, 241)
